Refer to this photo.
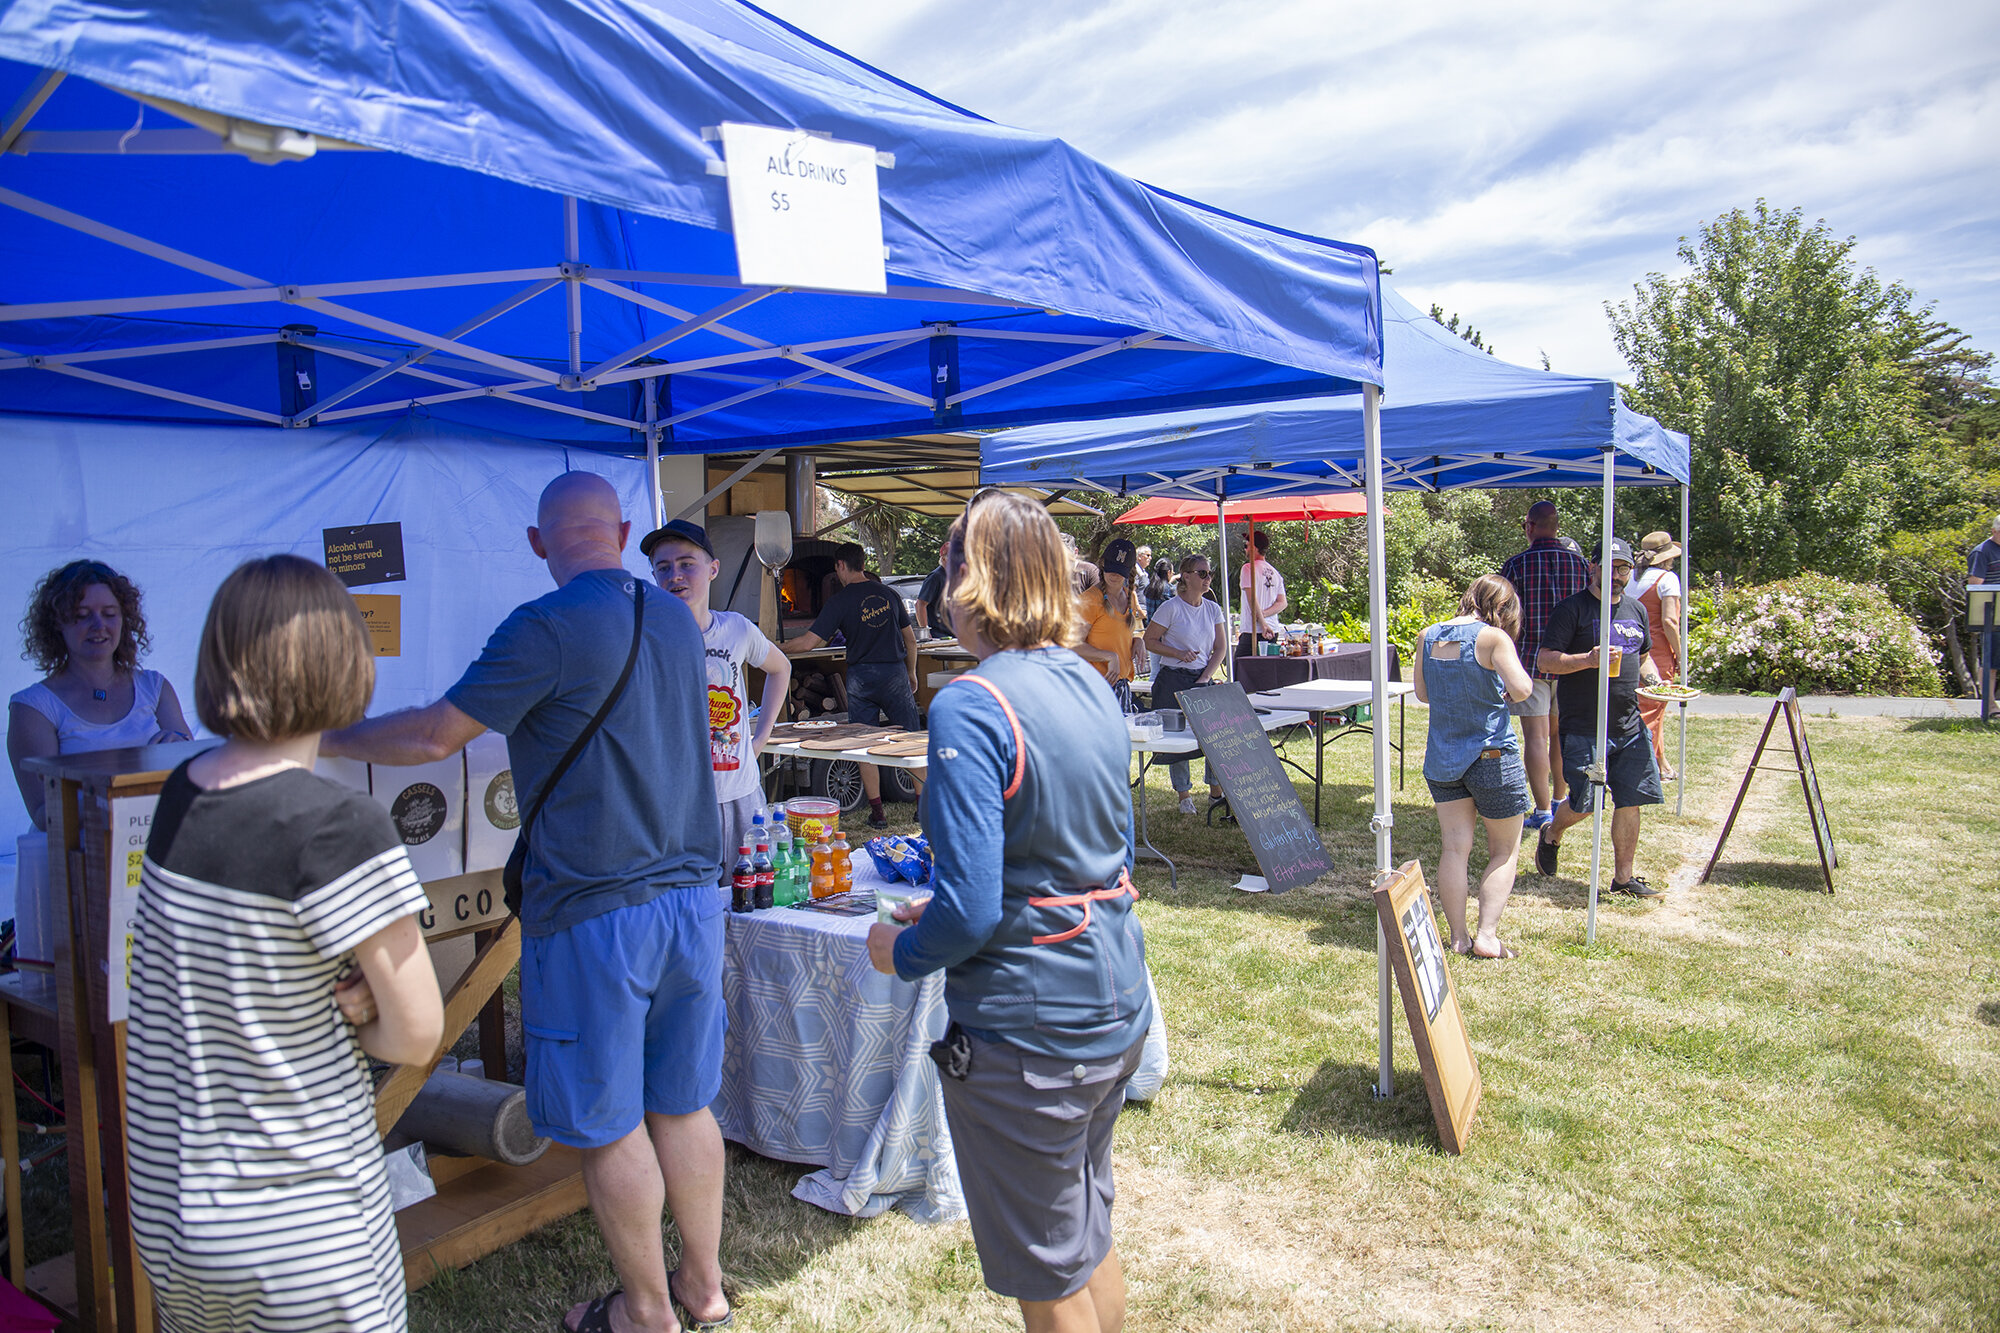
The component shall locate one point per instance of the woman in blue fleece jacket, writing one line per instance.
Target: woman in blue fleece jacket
(1030, 820)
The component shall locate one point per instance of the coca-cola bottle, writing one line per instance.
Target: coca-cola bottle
(765, 888)
(743, 883)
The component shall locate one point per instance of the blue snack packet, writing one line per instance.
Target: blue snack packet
(898, 857)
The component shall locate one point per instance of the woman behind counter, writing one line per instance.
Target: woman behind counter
(1032, 923)
(85, 629)
(1110, 624)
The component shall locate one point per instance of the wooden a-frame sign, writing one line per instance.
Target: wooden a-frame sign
(1437, 1028)
(1787, 705)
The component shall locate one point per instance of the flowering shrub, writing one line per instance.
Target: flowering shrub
(1815, 633)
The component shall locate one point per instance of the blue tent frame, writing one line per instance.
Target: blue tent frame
(511, 217)
(1454, 418)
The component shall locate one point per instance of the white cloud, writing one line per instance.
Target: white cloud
(1519, 163)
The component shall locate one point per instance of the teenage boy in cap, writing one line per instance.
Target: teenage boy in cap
(1569, 652)
(684, 564)
(881, 656)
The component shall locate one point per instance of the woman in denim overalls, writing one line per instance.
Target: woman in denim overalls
(1468, 671)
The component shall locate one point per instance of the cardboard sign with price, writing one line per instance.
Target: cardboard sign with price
(806, 210)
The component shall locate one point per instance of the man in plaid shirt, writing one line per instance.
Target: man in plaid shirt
(1544, 574)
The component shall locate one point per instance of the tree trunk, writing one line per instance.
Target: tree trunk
(1956, 655)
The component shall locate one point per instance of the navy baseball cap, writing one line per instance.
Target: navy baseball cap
(680, 530)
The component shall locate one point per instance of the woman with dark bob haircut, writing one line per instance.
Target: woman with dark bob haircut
(259, 1195)
(1031, 922)
(85, 630)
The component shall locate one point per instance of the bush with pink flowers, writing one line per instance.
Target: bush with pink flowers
(1816, 633)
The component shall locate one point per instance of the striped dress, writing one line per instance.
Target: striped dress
(259, 1196)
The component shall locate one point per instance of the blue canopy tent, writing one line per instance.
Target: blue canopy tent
(516, 218)
(1452, 417)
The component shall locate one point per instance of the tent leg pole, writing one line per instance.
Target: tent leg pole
(1378, 675)
(653, 452)
(1687, 618)
(1222, 581)
(1599, 785)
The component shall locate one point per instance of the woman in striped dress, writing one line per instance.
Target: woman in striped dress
(259, 1196)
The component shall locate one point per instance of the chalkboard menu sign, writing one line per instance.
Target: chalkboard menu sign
(1787, 706)
(1437, 1029)
(1286, 845)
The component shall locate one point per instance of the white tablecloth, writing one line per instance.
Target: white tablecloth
(827, 1063)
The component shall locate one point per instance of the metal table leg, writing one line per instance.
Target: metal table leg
(1319, 761)
(1143, 844)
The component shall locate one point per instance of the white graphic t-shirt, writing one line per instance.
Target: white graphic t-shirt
(1270, 587)
(729, 642)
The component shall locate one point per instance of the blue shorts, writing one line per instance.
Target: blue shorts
(879, 692)
(1628, 767)
(623, 1015)
(1497, 786)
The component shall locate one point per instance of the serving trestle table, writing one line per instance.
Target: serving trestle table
(1324, 698)
(1340, 661)
(827, 1062)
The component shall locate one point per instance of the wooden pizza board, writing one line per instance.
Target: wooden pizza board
(857, 741)
(903, 749)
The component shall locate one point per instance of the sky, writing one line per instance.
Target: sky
(1517, 164)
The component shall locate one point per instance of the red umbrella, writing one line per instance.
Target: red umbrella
(1263, 509)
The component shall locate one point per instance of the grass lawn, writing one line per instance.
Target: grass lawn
(1748, 1106)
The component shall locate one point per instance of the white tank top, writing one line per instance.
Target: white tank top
(75, 735)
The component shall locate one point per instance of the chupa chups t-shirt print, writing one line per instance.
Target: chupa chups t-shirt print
(729, 643)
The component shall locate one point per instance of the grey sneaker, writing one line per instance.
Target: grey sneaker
(1635, 887)
(1187, 803)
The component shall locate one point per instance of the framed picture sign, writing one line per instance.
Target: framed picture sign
(1437, 1028)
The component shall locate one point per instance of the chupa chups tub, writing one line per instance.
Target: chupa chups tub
(812, 818)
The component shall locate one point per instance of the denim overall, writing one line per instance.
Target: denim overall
(1468, 705)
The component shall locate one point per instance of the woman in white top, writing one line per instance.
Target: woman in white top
(85, 629)
(1658, 589)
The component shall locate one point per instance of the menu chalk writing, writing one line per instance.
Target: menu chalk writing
(1287, 846)
(370, 553)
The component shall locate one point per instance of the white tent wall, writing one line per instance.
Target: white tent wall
(175, 508)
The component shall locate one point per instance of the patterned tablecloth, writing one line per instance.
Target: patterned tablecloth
(828, 1064)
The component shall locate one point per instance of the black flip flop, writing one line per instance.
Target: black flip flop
(596, 1315)
(689, 1324)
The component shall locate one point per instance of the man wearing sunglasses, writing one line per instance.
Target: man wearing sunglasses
(1187, 640)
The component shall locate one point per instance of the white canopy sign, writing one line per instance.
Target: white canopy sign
(806, 211)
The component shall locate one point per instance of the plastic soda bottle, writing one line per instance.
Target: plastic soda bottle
(843, 864)
(764, 886)
(822, 870)
(742, 883)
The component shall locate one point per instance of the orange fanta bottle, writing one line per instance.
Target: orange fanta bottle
(822, 870)
(843, 864)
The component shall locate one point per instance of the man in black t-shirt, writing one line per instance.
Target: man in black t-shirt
(881, 656)
(1569, 652)
(932, 613)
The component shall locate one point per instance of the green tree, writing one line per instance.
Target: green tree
(1798, 377)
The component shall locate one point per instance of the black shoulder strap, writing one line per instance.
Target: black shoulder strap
(604, 710)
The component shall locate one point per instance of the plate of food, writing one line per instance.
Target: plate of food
(1673, 694)
(814, 724)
